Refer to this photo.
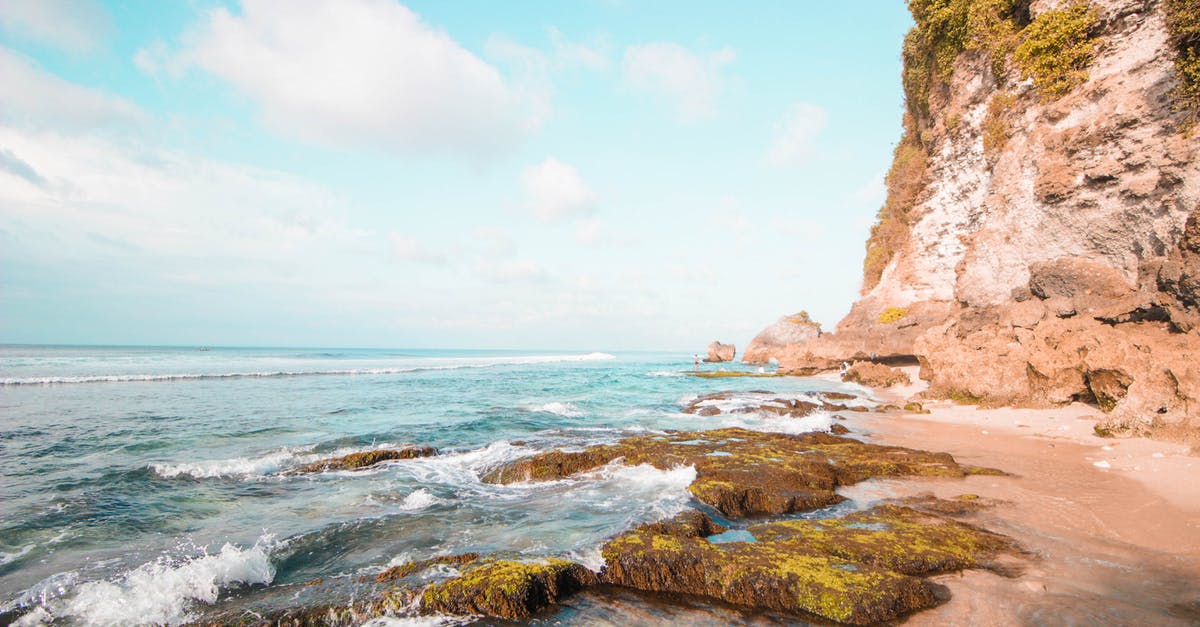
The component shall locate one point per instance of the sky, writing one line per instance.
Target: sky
(583, 175)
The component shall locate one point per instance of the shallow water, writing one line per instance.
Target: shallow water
(151, 484)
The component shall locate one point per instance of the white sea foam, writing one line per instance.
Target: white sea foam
(568, 410)
(6, 558)
(665, 373)
(437, 364)
(779, 424)
(463, 468)
(235, 467)
(418, 499)
(163, 591)
(259, 466)
(417, 621)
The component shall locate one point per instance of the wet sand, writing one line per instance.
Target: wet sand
(1112, 526)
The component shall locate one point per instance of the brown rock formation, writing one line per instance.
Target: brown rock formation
(861, 569)
(773, 341)
(718, 352)
(366, 459)
(1038, 246)
(875, 375)
(748, 473)
(506, 589)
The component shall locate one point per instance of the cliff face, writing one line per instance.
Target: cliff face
(1036, 247)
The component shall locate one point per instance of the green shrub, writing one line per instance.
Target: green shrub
(1183, 26)
(995, 123)
(1058, 47)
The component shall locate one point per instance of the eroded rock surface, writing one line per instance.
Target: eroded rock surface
(366, 459)
(748, 473)
(773, 341)
(1038, 248)
(718, 352)
(875, 375)
(861, 569)
(505, 588)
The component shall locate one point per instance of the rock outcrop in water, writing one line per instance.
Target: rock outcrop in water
(1040, 239)
(718, 352)
(748, 473)
(366, 459)
(861, 569)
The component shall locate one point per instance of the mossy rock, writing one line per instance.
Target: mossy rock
(411, 568)
(506, 589)
(863, 569)
(893, 537)
(747, 473)
(366, 459)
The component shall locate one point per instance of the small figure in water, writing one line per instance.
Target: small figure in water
(696, 361)
(845, 367)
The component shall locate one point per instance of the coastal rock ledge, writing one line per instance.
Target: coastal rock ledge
(1040, 241)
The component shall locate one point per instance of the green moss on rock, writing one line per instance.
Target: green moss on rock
(863, 569)
(755, 473)
(366, 459)
(506, 589)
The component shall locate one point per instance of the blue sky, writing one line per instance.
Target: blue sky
(604, 174)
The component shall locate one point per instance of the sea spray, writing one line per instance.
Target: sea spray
(165, 590)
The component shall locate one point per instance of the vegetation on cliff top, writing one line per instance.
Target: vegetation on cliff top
(1057, 49)
(1054, 50)
(1183, 25)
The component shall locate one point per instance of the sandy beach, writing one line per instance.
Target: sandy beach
(1112, 526)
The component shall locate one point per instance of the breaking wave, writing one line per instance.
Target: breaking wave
(457, 364)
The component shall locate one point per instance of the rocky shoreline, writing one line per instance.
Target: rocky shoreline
(764, 532)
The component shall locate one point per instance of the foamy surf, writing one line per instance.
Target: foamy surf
(418, 621)
(162, 592)
(567, 410)
(235, 467)
(418, 500)
(455, 363)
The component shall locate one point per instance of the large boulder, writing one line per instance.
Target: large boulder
(776, 340)
(718, 352)
(875, 375)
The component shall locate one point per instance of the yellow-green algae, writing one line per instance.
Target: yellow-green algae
(366, 459)
(758, 473)
(506, 588)
(865, 568)
(861, 569)
(897, 538)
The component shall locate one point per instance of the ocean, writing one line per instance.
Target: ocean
(152, 485)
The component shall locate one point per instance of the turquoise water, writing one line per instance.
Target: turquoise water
(151, 484)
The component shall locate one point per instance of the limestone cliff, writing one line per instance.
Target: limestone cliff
(1040, 241)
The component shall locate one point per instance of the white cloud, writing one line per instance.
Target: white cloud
(691, 81)
(413, 250)
(795, 134)
(568, 53)
(361, 73)
(33, 98)
(554, 191)
(71, 25)
(19, 168)
(511, 271)
(495, 241)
